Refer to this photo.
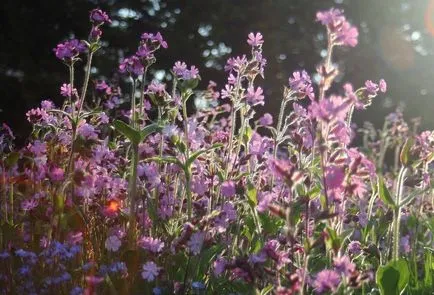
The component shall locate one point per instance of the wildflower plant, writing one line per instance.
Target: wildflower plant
(153, 198)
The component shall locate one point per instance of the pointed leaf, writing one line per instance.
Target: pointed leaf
(393, 278)
(129, 132)
(384, 193)
(252, 194)
(148, 130)
(405, 152)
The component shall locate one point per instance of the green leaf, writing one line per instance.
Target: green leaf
(267, 290)
(148, 130)
(170, 160)
(405, 152)
(129, 132)
(12, 159)
(428, 267)
(393, 278)
(384, 193)
(252, 194)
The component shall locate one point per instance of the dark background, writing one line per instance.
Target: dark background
(395, 43)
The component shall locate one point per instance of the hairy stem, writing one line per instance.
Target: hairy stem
(132, 196)
(85, 82)
(397, 212)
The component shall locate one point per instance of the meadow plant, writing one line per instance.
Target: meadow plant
(134, 193)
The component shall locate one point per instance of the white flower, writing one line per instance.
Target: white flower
(113, 243)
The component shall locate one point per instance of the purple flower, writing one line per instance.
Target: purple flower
(66, 90)
(326, 280)
(151, 244)
(301, 84)
(266, 120)
(354, 247)
(334, 177)
(342, 33)
(113, 243)
(255, 39)
(56, 174)
(38, 148)
(227, 188)
(47, 105)
(344, 265)
(347, 35)
(150, 271)
(88, 131)
(155, 39)
(144, 52)
(255, 97)
(195, 243)
(29, 205)
(405, 244)
(69, 49)
(371, 88)
(95, 33)
(179, 68)
(131, 65)
(99, 17)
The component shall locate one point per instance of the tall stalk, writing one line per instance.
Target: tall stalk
(133, 173)
(86, 81)
(397, 212)
(187, 153)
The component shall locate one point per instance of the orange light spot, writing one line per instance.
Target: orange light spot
(429, 18)
(113, 206)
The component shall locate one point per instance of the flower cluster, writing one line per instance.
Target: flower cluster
(136, 192)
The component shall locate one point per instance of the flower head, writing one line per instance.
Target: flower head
(132, 65)
(113, 243)
(326, 280)
(255, 39)
(255, 97)
(99, 17)
(69, 49)
(150, 271)
(340, 30)
(301, 84)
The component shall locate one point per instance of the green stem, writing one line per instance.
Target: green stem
(142, 91)
(85, 82)
(187, 153)
(397, 212)
(133, 103)
(231, 139)
(5, 197)
(132, 196)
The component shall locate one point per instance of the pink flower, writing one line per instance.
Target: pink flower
(67, 91)
(255, 97)
(334, 177)
(255, 39)
(326, 280)
(56, 174)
